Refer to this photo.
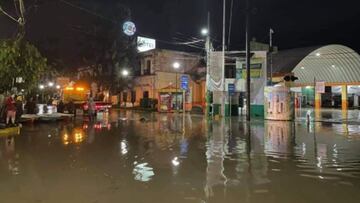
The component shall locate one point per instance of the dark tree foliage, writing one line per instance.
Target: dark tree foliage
(106, 48)
(20, 59)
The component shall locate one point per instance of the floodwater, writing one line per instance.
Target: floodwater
(150, 157)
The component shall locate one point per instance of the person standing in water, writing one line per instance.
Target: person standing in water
(10, 110)
(91, 108)
(19, 108)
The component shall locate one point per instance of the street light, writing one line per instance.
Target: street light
(176, 66)
(204, 31)
(42, 87)
(125, 73)
(58, 87)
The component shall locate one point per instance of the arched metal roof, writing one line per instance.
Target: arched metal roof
(331, 63)
(284, 61)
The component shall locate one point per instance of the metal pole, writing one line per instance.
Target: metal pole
(207, 49)
(176, 92)
(271, 57)
(223, 57)
(248, 60)
(230, 106)
(184, 101)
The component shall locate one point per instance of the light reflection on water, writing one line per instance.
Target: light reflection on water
(193, 159)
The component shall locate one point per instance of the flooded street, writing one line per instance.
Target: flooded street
(151, 157)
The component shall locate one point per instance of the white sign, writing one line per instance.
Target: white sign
(145, 44)
(129, 28)
(320, 87)
(19, 80)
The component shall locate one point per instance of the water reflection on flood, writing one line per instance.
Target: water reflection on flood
(181, 158)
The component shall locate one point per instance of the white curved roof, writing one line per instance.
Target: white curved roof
(331, 63)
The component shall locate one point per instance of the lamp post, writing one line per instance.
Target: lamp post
(248, 75)
(206, 33)
(176, 66)
(125, 74)
(42, 87)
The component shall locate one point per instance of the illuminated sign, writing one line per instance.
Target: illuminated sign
(129, 28)
(145, 44)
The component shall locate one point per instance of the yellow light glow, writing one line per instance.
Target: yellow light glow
(69, 88)
(80, 89)
(65, 139)
(78, 135)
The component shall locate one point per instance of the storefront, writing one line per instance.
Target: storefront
(171, 99)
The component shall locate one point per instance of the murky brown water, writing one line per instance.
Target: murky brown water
(168, 158)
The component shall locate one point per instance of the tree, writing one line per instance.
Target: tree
(20, 59)
(107, 48)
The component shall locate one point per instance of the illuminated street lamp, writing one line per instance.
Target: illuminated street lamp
(58, 87)
(176, 66)
(125, 73)
(50, 84)
(42, 87)
(204, 31)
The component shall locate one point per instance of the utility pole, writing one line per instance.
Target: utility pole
(20, 20)
(176, 89)
(271, 32)
(223, 59)
(208, 49)
(248, 79)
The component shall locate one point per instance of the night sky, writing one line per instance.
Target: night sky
(296, 23)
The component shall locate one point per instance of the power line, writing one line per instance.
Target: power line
(189, 43)
(230, 23)
(87, 11)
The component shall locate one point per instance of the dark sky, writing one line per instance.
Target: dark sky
(296, 23)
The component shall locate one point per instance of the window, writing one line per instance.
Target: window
(230, 68)
(230, 71)
(146, 94)
(147, 69)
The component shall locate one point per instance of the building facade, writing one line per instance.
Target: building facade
(168, 87)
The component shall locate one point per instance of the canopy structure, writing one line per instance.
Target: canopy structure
(331, 63)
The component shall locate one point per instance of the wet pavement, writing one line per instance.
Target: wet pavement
(150, 157)
(329, 115)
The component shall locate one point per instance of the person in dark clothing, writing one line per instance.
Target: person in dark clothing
(50, 102)
(19, 109)
(71, 107)
(30, 106)
(61, 107)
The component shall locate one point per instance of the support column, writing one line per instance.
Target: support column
(356, 101)
(344, 97)
(317, 100)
